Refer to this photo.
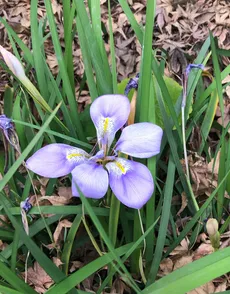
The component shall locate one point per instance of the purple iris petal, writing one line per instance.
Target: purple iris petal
(131, 182)
(99, 155)
(92, 180)
(109, 113)
(141, 140)
(56, 160)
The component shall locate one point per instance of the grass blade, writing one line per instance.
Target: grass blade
(166, 209)
(14, 280)
(193, 275)
(63, 71)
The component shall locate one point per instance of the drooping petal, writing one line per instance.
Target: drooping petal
(92, 180)
(109, 113)
(56, 160)
(131, 182)
(13, 63)
(141, 140)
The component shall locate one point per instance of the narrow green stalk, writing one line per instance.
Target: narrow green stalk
(87, 61)
(228, 165)
(146, 72)
(69, 243)
(14, 251)
(37, 52)
(113, 219)
(68, 17)
(107, 241)
(142, 112)
(126, 256)
(113, 224)
(136, 235)
(150, 207)
(64, 75)
(221, 174)
(166, 209)
(112, 50)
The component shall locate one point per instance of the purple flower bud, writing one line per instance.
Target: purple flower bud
(26, 205)
(5, 122)
(8, 130)
(191, 66)
(185, 80)
(132, 84)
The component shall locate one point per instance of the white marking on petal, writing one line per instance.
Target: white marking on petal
(105, 127)
(76, 155)
(119, 166)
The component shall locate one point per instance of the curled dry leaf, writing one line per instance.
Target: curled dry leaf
(58, 237)
(57, 261)
(184, 203)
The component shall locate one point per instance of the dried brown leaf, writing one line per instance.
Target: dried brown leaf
(221, 287)
(39, 278)
(76, 265)
(184, 203)
(166, 266)
(182, 249)
(57, 200)
(203, 250)
(57, 233)
(182, 261)
(57, 261)
(204, 289)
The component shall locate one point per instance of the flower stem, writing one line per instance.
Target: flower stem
(136, 234)
(113, 223)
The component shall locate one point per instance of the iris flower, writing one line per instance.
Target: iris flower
(130, 181)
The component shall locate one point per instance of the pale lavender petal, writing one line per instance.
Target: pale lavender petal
(92, 180)
(109, 113)
(141, 140)
(56, 160)
(131, 182)
(13, 63)
(99, 155)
